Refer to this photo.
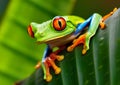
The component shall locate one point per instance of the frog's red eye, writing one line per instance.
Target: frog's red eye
(59, 23)
(30, 32)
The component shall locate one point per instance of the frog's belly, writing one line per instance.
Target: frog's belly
(61, 41)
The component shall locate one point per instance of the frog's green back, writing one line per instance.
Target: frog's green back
(75, 19)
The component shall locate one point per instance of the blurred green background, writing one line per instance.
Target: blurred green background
(18, 52)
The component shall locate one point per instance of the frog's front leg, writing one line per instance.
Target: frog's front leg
(92, 23)
(48, 61)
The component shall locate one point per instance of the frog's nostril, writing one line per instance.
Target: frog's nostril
(30, 32)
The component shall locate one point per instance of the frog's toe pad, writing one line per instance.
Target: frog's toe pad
(70, 48)
(102, 25)
(60, 58)
(84, 51)
(38, 65)
(58, 70)
(48, 78)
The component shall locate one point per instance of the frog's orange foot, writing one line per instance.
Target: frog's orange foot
(49, 62)
(80, 40)
(102, 24)
(38, 65)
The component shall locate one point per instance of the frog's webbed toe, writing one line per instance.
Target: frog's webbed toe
(50, 62)
(102, 24)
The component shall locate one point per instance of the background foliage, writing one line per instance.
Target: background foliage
(19, 53)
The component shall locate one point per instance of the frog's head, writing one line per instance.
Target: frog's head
(58, 27)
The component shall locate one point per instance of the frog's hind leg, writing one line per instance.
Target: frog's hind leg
(49, 61)
(85, 38)
(46, 68)
(95, 21)
(102, 24)
(47, 75)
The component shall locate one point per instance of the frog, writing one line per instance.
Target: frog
(56, 33)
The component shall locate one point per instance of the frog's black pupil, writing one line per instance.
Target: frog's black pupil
(60, 24)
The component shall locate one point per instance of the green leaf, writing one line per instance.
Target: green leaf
(99, 66)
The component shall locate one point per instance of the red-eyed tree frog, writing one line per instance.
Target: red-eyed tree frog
(60, 31)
